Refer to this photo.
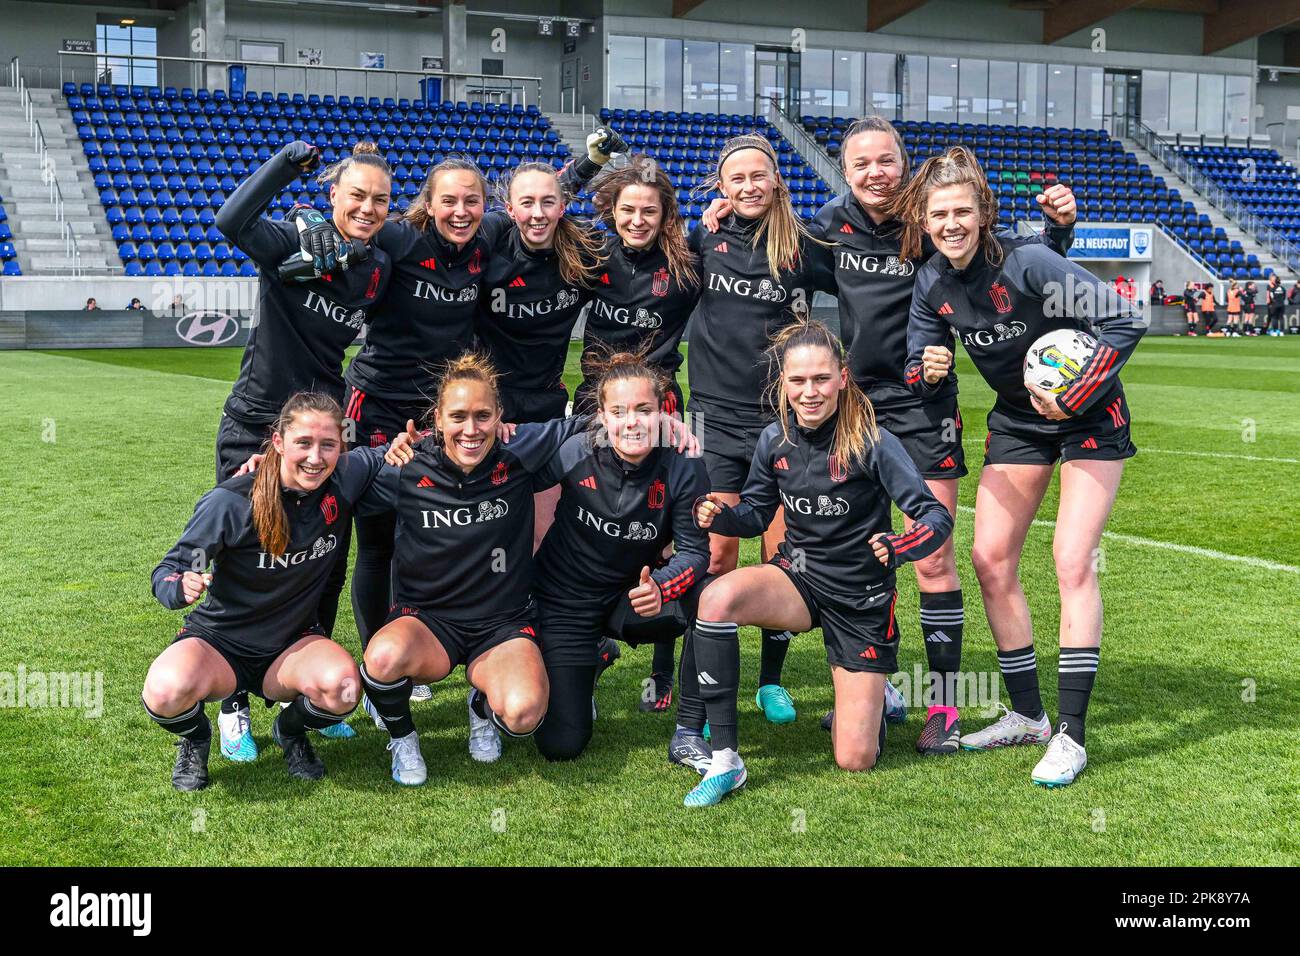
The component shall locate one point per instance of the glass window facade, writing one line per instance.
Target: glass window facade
(700, 77)
(132, 41)
(705, 76)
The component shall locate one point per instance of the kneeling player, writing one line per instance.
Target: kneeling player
(837, 474)
(1000, 295)
(622, 499)
(270, 539)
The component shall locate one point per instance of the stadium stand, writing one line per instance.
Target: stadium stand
(1260, 180)
(1109, 183)
(165, 159)
(8, 254)
(686, 145)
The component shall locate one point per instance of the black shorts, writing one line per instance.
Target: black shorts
(1017, 440)
(726, 445)
(574, 626)
(863, 640)
(237, 441)
(584, 398)
(378, 420)
(520, 406)
(250, 669)
(930, 433)
(465, 643)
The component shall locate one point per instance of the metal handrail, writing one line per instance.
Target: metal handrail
(71, 249)
(198, 62)
(1236, 211)
(809, 148)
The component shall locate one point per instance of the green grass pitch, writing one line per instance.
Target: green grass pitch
(1192, 758)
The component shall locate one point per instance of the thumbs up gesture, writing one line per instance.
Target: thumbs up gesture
(646, 598)
(402, 450)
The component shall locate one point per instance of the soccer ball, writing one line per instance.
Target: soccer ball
(1054, 360)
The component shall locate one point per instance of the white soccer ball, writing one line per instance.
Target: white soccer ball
(1054, 360)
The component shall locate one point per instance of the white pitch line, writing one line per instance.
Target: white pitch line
(1142, 449)
(1181, 548)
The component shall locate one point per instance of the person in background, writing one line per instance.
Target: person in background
(1234, 310)
(1158, 292)
(1190, 295)
(91, 305)
(1208, 316)
(135, 306)
(1293, 302)
(1249, 324)
(1275, 300)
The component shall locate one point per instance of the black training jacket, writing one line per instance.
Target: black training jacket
(832, 511)
(300, 330)
(874, 287)
(257, 603)
(615, 518)
(741, 307)
(464, 544)
(636, 301)
(526, 310)
(426, 318)
(999, 311)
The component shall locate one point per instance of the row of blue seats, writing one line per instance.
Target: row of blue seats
(154, 129)
(239, 139)
(102, 156)
(676, 116)
(312, 99)
(191, 269)
(8, 254)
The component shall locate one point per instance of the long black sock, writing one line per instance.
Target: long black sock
(662, 665)
(392, 701)
(302, 715)
(479, 702)
(1020, 674)
(717, 667)
(372, 572)
(1077, 671)
(942, 619)
(772, 658)
(192, 725)
(690, 706)
(235, 701)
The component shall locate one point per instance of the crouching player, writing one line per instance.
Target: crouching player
(269, 539)
(622, 499)
(837, 474)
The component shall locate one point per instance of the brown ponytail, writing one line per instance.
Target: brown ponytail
(856, 427)
(269, 517)
(604, 366)
(577, 247)
(956, 167)
(364, 153)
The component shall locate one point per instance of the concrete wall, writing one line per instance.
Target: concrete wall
(51, 292)
(1275, 98)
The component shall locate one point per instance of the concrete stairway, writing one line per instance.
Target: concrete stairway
(1249, 243)
(569, 127)
(37, 232)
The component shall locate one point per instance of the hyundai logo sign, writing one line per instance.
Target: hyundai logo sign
(207, 328)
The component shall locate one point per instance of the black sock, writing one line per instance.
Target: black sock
(1020, 674)
(772, 659)
(192, 725)
(690, 706)
(942, 619)
(372, 573)
(237, 700)
(566, 731)
(662, 665)
(392, 701)
(1076, 673)
(717, 668)
(302, 715)
(478, 702)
